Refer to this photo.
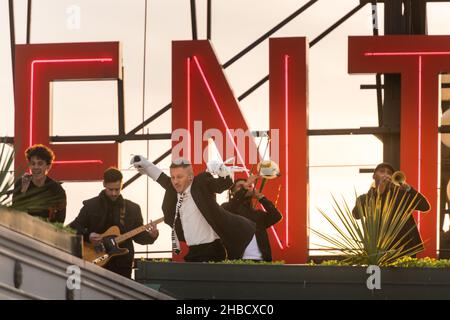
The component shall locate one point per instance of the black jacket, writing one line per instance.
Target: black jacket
(48, 201)
(241, 205)
(99, 214)
(234, 231)
(420, 204)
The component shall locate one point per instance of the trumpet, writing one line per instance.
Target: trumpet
(268, 170)
(398, 178)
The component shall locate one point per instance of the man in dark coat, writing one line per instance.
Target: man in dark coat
(191, 209)
(382, 184)
(241, 194)
(109, 209)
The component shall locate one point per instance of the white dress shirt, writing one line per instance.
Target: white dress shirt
(252, 251)
(195, 227)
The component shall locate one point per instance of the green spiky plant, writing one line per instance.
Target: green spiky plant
(6, 180)
(377, 238)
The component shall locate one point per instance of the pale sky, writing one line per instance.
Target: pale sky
(335, 99)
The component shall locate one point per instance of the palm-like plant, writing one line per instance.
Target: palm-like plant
(379, 236)
(6, 179)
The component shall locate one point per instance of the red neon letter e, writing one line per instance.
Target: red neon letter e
(36, 66)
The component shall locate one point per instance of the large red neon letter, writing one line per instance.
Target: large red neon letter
(36, 66)
(419, 60)
(289, 113)
(200, 92)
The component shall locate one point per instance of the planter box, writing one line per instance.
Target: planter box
(272, 282)
(42, 231)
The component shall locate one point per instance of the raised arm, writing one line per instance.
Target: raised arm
(421, 203)
(148, 168)
(271, 215)
(217, 185)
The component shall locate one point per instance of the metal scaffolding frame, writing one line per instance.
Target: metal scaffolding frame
(411, 20)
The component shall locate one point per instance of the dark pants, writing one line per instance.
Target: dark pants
(121, 270)
(213, 251)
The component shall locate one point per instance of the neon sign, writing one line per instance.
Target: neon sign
(419, 60)
(37, 65)
(200, 92)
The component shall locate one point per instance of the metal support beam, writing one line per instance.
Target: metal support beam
(352, 131)
(208, 20)
(393, 24)
(311, 44)
(374, 86)
(12, 36)
(336, 24)
(121, 106)
(411, 20)
(193, 20)
(268, 34)
(152, 118)
(377, 76)
(233, 59)
(117, 138)
(29, 5)
(384, 1)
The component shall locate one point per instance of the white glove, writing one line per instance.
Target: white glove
(220, 169)
(217, 168)
(145, 167)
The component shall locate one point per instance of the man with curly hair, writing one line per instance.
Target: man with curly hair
(35, 192)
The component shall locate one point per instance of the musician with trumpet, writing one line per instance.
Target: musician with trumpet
(240, 196)
(387, 179)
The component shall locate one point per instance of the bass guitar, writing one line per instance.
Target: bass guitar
(108, 247)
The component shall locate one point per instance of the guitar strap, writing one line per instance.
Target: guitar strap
(122, 214)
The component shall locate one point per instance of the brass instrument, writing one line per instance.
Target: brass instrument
(398, 178)
(268, 170)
